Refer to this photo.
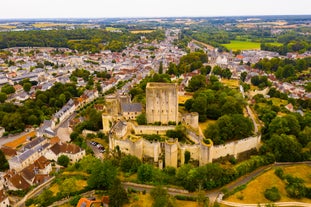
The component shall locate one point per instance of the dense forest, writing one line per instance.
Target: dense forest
(92, 40)
(33, 112)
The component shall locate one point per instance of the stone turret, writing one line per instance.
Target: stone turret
(206, 152)
(171, 153)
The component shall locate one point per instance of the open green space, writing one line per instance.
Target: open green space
(242, 45)
(268, 180)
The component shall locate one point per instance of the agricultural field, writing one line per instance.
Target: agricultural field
(242, 45)
(268, 180)
(6, 26)
(142, 31)
(46, 24)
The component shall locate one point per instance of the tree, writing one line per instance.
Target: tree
(197, 82)
(226, 73)
(187, 157)
(4, 164)
(161, 197)
(3, 97)
(285, 148)
(130, 163)
(8, 89)
(243, 76)
(102, 175)
(27, 86)
(199, 105)
(63, 160)
(285, 125)
(141, 119)
(68, 186)
(13, 121)
(88, 163)
(185, 177)
(272, 194)
(117, 195)
(145, 173)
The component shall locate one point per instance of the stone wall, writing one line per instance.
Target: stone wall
(174, 151)
(194, 152)
(236, 147)
(151, 129)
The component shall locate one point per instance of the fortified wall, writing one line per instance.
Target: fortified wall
(172, 152)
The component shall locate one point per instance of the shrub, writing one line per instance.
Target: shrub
(272, 194)
(279, 172)
(185, 198)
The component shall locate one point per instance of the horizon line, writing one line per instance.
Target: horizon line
(150, 17)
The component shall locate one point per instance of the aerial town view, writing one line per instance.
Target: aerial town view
(155, 104)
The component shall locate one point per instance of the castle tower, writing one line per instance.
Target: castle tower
(162, 103)
(171, 153)
(107, 122)
(206, 152)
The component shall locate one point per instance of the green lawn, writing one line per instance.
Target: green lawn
(242, 45)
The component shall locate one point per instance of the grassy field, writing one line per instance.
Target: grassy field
(242, 45)
(21, 140)
(254, 192)
(141, 31)
(278, 101)
(141, 200)
(204, 125)
(230, 83)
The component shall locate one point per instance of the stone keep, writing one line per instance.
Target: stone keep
(162, 102)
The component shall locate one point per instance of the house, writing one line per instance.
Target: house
(290, 107)
(8, 151)
(14, 181)
(73, 151)
(30, 152)
(46, 129)
(38, 172)
(64, 112)
(4, 199)
(131, 110)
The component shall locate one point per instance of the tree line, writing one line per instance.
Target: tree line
(285, 69)
(92, 40)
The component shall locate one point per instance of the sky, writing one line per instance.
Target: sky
(149, 8)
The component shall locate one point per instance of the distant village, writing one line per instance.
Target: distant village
(31, 164)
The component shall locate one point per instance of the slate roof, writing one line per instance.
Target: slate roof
(34, 143)
(23, 156)
(131, 107)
